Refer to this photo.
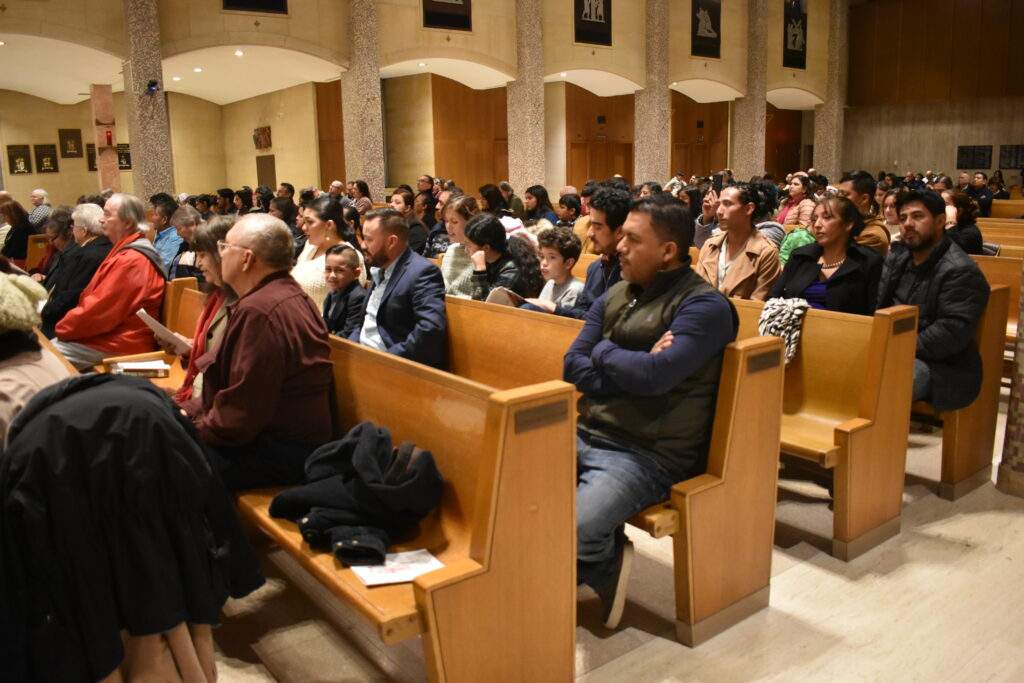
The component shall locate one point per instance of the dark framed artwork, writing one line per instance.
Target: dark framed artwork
(973, 157)
(592, 21)
(1011, 157)
(46, 159)
(70, 143)
(124, 157)
(706, 28)
(19, 159)
(268, 6)
(90, 156)
(261, 138)
(794, 34)
(452, 14)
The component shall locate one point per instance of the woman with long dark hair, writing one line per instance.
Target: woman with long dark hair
(499, 261)
(15, 245)
(243, 200)
(538, 205)
(325, 227)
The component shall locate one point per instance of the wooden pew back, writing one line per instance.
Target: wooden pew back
(1000, 270)
(190, 307)
(36, 251)
(172, 298)
(579, 270)
(1007, 208)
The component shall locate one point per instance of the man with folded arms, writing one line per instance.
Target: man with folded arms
(647, 362)
(266, 399)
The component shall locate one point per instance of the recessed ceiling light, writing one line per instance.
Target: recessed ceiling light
(175, 78)
(239, 53)
(2, 43)
(423, 63)
(563, 74)
(198, 69)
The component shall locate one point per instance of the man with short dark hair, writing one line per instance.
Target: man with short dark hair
(648, 386)
(425, 189)
(582, 224)
(515, 204)
(928, 270)
(405, 312)
(979, 192)
(166, 239)
(266, 398)
(963, 182)
(286, 190)
(859, 187)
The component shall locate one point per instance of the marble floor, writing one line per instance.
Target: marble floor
(944, 600)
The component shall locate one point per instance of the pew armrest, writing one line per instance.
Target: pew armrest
(698, 484)
(451, 573)
(851, 426)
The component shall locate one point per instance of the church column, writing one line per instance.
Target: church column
(1011, 470)
(526, 157)
(101, 100)
(652, 113)
(362, 111)
(829, 117)
(152, 163)
(748, 113)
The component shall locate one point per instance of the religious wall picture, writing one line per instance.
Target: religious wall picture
(794, 34)
(19, 159)
(70, 143)
(90, 156)
(450, 14)
(706, 28)
(593, 21)
(261, 138)
(269, 6)
(124, 157)
(46, 158)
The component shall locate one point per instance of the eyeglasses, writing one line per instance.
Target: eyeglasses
(223, 246)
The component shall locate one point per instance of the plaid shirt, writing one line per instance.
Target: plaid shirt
(39, 215)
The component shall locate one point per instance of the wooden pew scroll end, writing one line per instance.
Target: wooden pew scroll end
(693, 635)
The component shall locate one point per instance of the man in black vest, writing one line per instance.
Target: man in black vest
(647, 362)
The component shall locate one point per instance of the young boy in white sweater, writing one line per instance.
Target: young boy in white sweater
(559, 251)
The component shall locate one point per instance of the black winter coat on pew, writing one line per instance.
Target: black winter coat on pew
(110, 519)
(853, 288)
(362, 494)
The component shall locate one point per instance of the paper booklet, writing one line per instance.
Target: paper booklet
(398, 568)
(504, 297)
(142, 368)
(163, 334)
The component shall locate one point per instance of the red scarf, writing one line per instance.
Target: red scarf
(213, 303)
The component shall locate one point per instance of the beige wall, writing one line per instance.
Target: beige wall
(925, 136)
(27, 120)
(291, 115)
(813, 78)
(197, 143)
(731, 68)
(96, 23)
(408, 128)
(554, 135)
(316, 27)
(401, 36)
(625, 57)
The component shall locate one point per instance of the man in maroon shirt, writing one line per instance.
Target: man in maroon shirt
(266, 389)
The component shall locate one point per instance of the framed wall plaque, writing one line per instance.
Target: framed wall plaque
(1011, 157)
(269, 6)
(70, 143)
(19, 159)
(46, 159)
(794, 34)
(453, 14)
(973, 157)
(706, 28)
(592, 21)
(124, 157)
(261, 138)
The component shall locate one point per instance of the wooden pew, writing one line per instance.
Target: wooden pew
(1007, 208)
(1000, 270)
(845, 408)
(503, 607)
(722, 522)
(968, 434)
(36, 251)
(579, 270)
(172, 295)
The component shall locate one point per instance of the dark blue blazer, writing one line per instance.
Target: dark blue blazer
(347, 315)
(411, 318)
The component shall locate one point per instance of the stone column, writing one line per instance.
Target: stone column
(362, 110)
(1011, 470)
(101, 101)
(526, 158)
(829, 117)
(748, 112)
(652, 114)
(152, 163)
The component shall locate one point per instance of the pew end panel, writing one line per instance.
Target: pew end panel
(172, 298)
(579, 269)
(968, 434)
(723, 547)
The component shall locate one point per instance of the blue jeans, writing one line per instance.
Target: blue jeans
(612, 485)
(922, 390)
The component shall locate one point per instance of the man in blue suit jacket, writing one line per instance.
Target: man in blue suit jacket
(404, 313)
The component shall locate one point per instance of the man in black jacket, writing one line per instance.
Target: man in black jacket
(931, 272)
(77, 266)
(979, 192)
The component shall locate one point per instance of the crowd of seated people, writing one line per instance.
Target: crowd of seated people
(283, 271)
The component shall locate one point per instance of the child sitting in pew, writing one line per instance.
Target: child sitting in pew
(343, 307)
(559, 251)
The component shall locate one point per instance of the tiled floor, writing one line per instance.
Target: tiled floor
(943, 600)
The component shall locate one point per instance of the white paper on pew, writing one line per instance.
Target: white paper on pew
(162, 333)
(398, 568)
(505, 297)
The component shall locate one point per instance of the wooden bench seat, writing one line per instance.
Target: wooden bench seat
(845, 408)
(968, 434)
(722, 522)
(1007, 208)
(503, 607)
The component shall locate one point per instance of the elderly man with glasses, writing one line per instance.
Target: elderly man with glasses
(265, 404)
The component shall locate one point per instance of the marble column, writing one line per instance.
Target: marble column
(150, 131)
(362, 110)
(748, 113)
(526, 158)
(1011, 470)
(652, 113)
(829, 117)
(101, 101)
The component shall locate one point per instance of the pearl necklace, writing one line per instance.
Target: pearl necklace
(830, 266)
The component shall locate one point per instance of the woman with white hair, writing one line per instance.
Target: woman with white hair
(80, 265)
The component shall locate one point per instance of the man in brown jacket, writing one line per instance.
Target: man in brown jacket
(859, 188)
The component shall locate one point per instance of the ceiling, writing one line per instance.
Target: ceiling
(470, 74)
(601, 83)
(703, 90)
(54, 69)
(793, 98)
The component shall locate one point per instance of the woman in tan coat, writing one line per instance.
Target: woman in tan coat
(739, 261)
(798, 209)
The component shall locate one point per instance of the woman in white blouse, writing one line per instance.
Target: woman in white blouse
(324, 228)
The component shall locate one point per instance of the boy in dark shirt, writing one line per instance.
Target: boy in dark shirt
(343, 307)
